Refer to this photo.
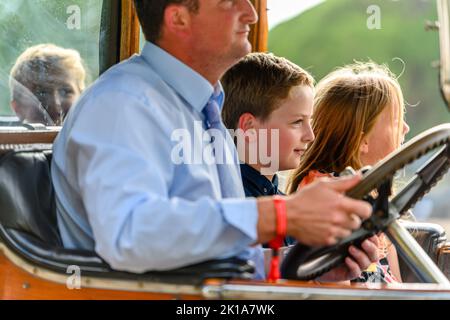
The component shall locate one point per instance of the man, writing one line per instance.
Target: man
(119, 188)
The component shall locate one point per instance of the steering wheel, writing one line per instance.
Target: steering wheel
(306, 263)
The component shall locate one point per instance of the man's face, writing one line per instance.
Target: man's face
(47, 101)
(220, 29)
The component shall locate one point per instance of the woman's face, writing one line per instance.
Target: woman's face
(384, 137)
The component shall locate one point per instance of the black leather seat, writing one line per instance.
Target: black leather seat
(28, 227)
(27, 195)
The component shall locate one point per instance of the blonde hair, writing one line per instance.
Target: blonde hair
(347, 105)
(37, 62)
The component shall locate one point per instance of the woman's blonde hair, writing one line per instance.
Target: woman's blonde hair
(348, 103)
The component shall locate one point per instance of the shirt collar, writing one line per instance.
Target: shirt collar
(264, 185)
(189, 84)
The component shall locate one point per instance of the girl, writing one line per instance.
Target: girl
(358, 120)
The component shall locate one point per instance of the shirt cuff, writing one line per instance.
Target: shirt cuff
(242, 214)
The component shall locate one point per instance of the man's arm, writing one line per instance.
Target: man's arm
(122, 149)
(320, 215)
(125, 176)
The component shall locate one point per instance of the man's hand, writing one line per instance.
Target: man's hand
(320, 214)
(359, 261)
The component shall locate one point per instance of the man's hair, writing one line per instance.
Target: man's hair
(38, 63)
(151, 15)
(257, 84)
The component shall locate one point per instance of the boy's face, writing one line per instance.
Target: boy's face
(292, 118)
(50, 99)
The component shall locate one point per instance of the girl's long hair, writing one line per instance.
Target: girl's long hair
(348, 102)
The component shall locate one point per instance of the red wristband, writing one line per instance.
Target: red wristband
(278, 241)
(280, 209)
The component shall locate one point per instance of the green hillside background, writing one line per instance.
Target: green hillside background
(335, 33)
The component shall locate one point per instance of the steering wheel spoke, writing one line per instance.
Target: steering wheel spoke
(423, 180)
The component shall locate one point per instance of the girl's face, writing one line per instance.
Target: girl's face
(384, 137)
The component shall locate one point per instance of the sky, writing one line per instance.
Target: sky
(282, 10)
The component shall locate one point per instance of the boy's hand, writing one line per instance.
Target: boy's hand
(320, 214)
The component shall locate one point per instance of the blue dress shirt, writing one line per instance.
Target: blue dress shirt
(117, 190)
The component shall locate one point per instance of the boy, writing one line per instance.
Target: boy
(270, 100)
(45, 81)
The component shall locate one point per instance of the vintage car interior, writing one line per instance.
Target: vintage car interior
(34, 265)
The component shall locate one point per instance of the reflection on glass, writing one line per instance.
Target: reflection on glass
(74, 24)
(45, 81)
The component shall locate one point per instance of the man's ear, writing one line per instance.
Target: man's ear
(177, 19)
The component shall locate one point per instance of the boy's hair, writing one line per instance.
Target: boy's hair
(347, 105)
(39, 62)
(257, 84)
(151, 15)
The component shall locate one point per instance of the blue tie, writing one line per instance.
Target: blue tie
(229, 170)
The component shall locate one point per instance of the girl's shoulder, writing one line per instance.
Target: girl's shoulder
(311, 176)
